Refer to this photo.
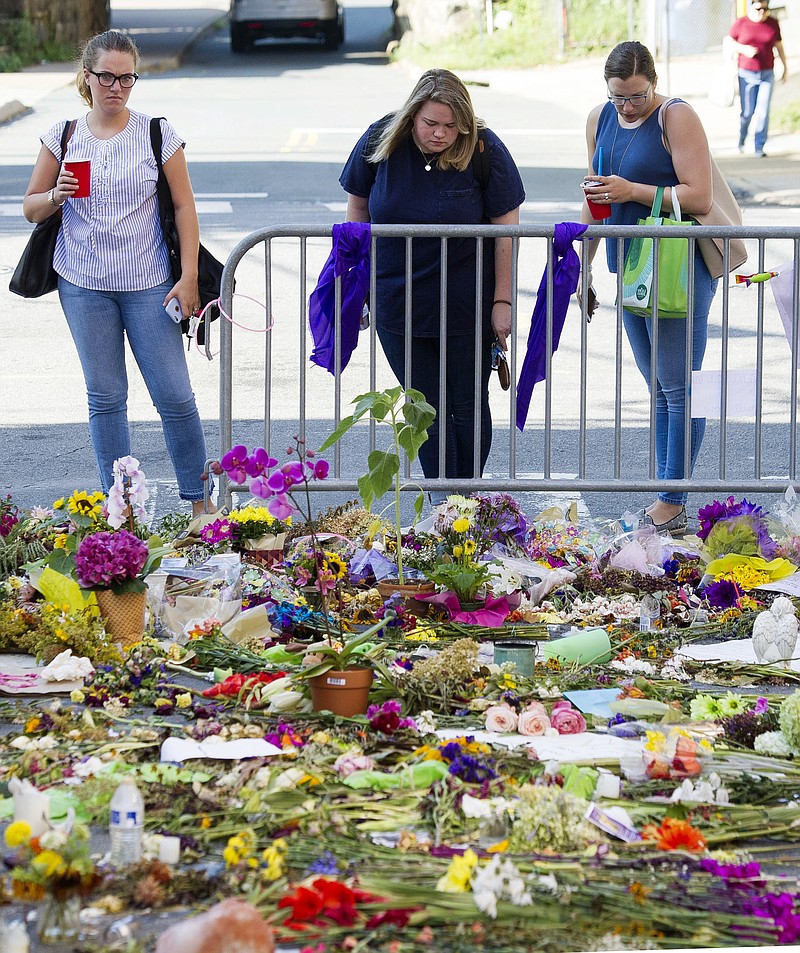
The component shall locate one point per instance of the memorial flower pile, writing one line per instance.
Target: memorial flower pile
(609, 799)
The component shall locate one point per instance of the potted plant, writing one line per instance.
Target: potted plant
(341, 674)
(408, 416)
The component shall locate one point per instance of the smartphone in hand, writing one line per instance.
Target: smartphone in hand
(173, 309)
(591, 302)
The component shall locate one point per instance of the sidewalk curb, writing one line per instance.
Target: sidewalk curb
(13, 110)
(164, 64)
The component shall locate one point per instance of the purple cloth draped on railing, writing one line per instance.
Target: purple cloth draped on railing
(349, 258)
(566, 269)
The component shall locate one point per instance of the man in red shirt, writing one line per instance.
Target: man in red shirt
(757, 37)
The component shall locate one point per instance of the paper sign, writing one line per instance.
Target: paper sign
(707, 393)
(790, 585)
(182, 749)
(594, 701)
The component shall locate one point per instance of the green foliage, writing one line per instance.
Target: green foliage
(538, 35)
(787, 118)
(20, 48)
(408, 416)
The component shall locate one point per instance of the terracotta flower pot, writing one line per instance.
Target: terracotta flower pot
(408, 590)
(343, 693)
(123, 615)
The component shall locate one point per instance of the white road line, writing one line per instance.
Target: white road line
(213, 208)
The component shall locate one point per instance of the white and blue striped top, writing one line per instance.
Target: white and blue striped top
(112, 240)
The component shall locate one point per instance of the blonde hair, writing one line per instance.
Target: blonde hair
(435, 86)
(109, 42)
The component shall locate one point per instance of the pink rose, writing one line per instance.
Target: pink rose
(567, 721)
(532, 722)
(501, 718)
(562, 703)
(536, 706)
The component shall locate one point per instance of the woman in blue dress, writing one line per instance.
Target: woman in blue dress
(434, 162)
(638, 157)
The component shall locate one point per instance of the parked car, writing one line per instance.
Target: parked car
(253, 20)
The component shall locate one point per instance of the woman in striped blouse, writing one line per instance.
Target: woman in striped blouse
(114, 273)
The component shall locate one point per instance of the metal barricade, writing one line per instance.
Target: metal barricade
(587, 427)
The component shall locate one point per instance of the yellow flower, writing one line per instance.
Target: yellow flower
(81, 502)
(275, 859)
(459, 873)
(59, 504)
(230, 856)
(652, 651)
(184, 700)
(60, 541)
(77, 696)
(48, 863)
(655, 741)
(336, 565)
(61, 634)
(32, 724)
(469, 547)
(508, 681)
(458, 551)
(461, 525)
(17, 834)
(205, 822)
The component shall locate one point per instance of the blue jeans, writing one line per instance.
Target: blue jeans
(671, 376)
(459, 391)
(99, 322)
(755, 95)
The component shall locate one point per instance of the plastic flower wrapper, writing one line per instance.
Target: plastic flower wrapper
(790, 720)
(736, 539)
(673, 755)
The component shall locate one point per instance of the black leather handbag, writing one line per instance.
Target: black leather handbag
(34, 276)
(209, 270)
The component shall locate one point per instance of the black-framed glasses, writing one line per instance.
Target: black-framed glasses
(639, 99)
(108, 79)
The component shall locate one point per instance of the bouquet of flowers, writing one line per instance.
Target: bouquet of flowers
(460, 570)
(56, 863)
(117, 561)
(251, 528)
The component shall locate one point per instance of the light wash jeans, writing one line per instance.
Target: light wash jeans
(99, 321)
(671, 376)
(755, 95)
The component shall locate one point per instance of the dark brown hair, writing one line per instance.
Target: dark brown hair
(630, 59)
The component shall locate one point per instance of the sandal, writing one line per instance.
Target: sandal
(676, 527)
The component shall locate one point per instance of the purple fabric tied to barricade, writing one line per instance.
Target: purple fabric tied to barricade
(566, 269)
(349, 258)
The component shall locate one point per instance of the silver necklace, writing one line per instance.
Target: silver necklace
(428, 162)
(630, 143)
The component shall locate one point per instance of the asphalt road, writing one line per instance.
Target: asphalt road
(267, 134)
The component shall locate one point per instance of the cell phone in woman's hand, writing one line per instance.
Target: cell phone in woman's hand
(591, 303)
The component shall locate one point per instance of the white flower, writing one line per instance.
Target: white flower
(674, 671)
(486, 902)
(474, 807)
(633, 666)
(53, 839)
(426, 722)
(88, 768)
(771, 743)
(129, 489)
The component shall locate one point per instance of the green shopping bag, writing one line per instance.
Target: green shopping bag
(673, 267)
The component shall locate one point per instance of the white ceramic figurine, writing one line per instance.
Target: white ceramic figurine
(775, 632)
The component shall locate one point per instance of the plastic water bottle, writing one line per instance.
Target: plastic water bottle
(649, 613)
(126, 824)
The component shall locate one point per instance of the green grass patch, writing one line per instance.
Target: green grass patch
(20, 48)
(787, 118)
(538, 35)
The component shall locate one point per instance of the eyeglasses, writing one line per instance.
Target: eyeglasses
(108, 79)
(638, 100)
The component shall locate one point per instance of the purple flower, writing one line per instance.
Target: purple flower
(761, 706)
(109, 559)
(217, 532)
(724, 594)
(233, 463)
(259, 462)
(281, 507)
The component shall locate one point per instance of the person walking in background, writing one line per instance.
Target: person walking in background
(113, 267)
(434, 162)
(756, 38)
(638, 158)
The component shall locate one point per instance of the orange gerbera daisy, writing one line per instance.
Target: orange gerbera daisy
(673, 834)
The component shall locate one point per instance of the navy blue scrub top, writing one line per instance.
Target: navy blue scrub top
(401, 192)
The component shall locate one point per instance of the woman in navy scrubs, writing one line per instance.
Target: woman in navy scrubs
(433, 162)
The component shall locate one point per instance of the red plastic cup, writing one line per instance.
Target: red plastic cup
(81, 169)
(598, 211)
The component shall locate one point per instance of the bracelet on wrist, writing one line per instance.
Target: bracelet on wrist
(51, 198)
(501, 301)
